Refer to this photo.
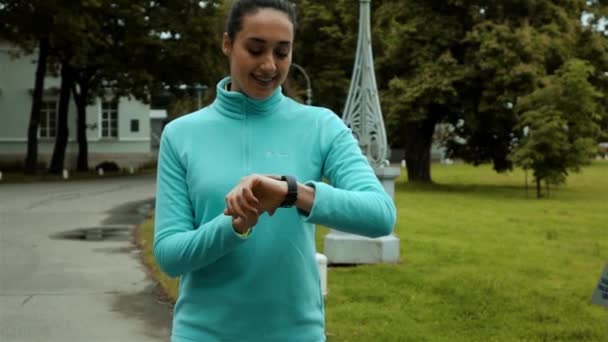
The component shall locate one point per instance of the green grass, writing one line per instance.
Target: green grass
(481, 261)
(144, 238)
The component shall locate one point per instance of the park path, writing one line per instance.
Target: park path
(55, 287)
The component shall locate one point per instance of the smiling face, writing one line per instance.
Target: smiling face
(260, 53)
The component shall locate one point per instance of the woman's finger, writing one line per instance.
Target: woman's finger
(247, 208)
(237, 206)
(228, 210)
(249, 201)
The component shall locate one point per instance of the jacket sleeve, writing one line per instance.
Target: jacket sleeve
(178, 247)
(355, 202)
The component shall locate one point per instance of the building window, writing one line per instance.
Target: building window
(109, 119)
(134, 125)
(48, 119)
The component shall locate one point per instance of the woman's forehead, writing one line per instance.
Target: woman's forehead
(267, 25)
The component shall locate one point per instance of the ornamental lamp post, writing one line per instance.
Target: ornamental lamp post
(308, 86)
(363, 115)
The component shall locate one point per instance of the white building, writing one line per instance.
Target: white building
(117, 130)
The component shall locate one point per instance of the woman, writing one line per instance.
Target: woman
(240, 238)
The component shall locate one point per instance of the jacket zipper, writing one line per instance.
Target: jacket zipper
(247, 147)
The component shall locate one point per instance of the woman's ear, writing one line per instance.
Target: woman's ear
(226, 44)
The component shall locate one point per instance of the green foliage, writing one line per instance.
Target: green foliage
(118, 47)
(186, 44)
(326, 39)
(182, 106)
(464, 63)
(467, 63)
(592, 47)
(562, 120)
(23, 22)
(132, 47)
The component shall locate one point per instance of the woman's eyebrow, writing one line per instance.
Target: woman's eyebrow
(262, 41)
(257, 40)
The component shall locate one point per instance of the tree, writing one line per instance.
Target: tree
(53, 28)
(104, 46)
(420, 68)
(61, 139)
(562, 120)
(325, 45)
(65, 39)
(593, 47)
(471, 72)
(31, 159)
(27, 25)
(187, 34)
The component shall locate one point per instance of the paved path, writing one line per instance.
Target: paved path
(64, 290)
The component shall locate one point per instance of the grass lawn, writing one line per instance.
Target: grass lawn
(480, 261)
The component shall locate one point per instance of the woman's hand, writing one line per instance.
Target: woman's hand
(240, 201)
(241, 205)
(254, 195)
(270, 193)
(242, 224)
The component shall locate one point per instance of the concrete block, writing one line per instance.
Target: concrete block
(343, 248)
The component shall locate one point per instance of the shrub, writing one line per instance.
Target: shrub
(107, 166)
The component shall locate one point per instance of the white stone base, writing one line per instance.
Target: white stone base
(343, 248)
(387, 176)
(322, 264)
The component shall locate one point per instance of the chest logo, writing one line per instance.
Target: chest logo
(275, 154)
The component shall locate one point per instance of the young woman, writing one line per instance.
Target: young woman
(240, 189)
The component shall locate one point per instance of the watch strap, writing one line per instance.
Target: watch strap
(292, 191)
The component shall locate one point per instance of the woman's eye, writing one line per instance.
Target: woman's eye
(281, 54)
(255, 52)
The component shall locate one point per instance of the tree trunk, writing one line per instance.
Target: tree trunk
(31, 159)
(538, 188)
(61, 141)
(418, 141)
(81, 128)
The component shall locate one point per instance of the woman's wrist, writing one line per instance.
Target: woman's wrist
(306, 197)
(306, 193)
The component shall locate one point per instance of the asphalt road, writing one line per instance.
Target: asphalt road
(55, 285)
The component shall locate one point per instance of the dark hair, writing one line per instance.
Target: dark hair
(241, 8)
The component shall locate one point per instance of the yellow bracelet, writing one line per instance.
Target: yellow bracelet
(245, 234)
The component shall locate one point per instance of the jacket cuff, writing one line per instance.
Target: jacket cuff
(225, 224)
(322, 195)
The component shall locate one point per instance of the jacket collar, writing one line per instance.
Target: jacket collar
(238, 105)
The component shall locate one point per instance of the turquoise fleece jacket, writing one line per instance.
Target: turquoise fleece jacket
(263, 287)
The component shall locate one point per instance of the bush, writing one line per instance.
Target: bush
(107, 166)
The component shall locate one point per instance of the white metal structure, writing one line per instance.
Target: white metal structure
(362, 112)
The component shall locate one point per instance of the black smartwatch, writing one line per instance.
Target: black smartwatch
(292, 192)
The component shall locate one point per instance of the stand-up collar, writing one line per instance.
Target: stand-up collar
(238, 105)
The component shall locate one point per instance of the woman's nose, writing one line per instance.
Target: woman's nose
(268, 64)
